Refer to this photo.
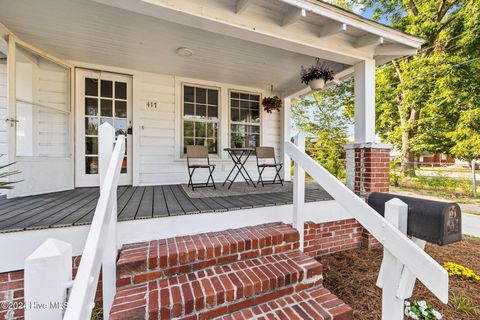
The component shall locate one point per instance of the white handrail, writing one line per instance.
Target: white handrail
(420, 264)
(81, 301)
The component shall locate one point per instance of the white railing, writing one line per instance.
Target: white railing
(403, 261)
(100, 248)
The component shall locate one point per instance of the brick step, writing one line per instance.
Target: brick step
(145, 261)
(314, 303)
(219, 290)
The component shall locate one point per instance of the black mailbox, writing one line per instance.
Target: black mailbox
(433, 221)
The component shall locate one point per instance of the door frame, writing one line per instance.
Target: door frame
(81, 179)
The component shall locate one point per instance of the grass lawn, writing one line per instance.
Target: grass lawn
(351, 275)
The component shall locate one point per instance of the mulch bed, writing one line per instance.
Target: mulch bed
(352, 275)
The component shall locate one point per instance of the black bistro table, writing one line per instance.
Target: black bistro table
(239, 157)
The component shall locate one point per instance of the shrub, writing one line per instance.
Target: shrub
(421, 310)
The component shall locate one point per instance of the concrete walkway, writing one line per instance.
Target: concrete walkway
(470, 222)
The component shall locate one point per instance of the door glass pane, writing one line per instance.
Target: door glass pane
(106, 108)
(106, 88)
(91, 106)
(91, 145)
(42, 106)
(91, 165)
(91, 125)
(121, 126)
(91, 87)
(121, 109)
(120, 90)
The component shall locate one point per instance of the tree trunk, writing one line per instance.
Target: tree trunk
(407, 167)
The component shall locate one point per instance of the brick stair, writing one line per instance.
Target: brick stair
(233, 272)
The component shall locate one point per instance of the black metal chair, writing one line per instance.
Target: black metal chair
(197, 158)
(266, 159)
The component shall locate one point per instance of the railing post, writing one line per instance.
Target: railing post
(48, 274)
(299, 192)
(106, 142)
(389, 277)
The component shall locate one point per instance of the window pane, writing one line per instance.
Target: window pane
(235, 103)
(200, 129)
(244, 115)
(255, 129)
(212, 145)
(200, 95)
(188, 110)
(91, 87)
(201, 111)
(106, 108)
(120, 109)
(244, 104)
(187, 142)
(91, 145)
(211, 130)
(255, 97)
(213, 112)
(234, 95)
(188, 94)
(255, 116)
(106, 89)
(244, 96)
(91, 126)
(199, 141)
(188, 129)
(91, 165)
(120, 90)
(213, 97)
(235, 114)
(254, 106)
(91, 106)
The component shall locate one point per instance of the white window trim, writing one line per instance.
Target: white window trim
(182, 105)
(230, 122)
(223, 114)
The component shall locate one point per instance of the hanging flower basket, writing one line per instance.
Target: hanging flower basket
(316, 76)
(271, 103)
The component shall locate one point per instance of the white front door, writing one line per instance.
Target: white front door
(39, 122)
(101, 97)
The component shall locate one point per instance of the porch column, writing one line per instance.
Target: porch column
(285, 126)
(367, 161)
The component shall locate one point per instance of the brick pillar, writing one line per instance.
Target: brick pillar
(368, 168)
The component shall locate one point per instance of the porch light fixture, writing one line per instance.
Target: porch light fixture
(184, 51)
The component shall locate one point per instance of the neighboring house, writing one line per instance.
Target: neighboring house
(436, 159)
(167, 74)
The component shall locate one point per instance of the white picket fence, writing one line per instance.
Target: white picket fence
(48, 270)
(404, 260)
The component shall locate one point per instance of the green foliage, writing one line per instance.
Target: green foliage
(323, 116)
(439, 184)
(464, 305)
(427, 103)
(238, 139)
(6, 174)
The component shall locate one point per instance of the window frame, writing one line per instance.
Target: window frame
(230, 122)
(183, 84)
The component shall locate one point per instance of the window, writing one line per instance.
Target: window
(245, 117)
(200, 117)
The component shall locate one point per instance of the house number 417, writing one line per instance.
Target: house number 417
(152, 104)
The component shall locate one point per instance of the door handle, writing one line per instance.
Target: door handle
(12, 121)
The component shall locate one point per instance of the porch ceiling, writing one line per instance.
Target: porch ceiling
(83, 30)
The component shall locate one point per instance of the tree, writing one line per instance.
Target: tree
(322, 116)
(421, 99)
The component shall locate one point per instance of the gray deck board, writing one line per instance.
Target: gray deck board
(77, 207)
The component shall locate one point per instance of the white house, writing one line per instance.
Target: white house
(137, 63)
(167, 74)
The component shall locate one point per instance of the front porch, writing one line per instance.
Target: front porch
(76, 207)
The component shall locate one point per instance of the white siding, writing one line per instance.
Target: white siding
(3, 113)
(155, 154)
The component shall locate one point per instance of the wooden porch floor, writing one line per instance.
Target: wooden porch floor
(76, 207)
